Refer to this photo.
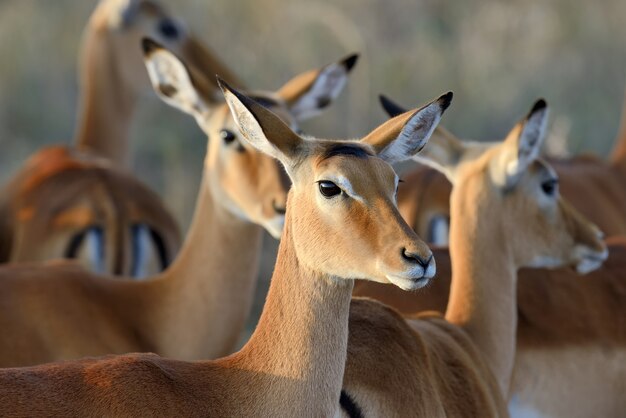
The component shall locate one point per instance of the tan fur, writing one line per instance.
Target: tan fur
(197, 308)
(570, 333)
(112, 76)
(455, 360)
(558, 315)
(591, 185)
(595, 187)
(59, 193)
(293, 364)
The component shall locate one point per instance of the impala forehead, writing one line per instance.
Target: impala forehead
(357, 176)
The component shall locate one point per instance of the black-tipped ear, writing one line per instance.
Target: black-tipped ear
(403, 136)
(350, 61)
(307, 94)
(540, 104)
(522, 146)
(446, 100)
(392, 108)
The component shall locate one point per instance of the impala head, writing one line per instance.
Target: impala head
(511, 195)
(342, 197)
(117, 26)
(250, 184)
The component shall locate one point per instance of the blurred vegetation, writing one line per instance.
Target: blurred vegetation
(496, 56)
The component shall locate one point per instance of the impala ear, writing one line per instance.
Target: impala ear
(261, 128)
(403, 136)
(390, 107)
(173, 82)
(444, 149)
(307, 94)
(521, 147)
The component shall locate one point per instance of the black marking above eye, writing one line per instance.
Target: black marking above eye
(550, 187)
(168, 29)
(328, 189)
(227, 135)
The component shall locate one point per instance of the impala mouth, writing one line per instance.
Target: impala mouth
(415, 277)
(408, 283)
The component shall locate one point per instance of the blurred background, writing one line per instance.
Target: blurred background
(496, 56)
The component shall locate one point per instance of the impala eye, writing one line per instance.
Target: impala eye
(329, 189)
(550, 187)
(227, 136)
(168, 29)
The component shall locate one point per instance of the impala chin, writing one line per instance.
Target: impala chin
(589, 260)
(415, 278)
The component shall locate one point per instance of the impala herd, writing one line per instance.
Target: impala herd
(137, 322)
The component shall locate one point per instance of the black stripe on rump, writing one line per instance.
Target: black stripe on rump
(348, 405)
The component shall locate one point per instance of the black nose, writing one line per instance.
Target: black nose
(416, 258)
(281, 210)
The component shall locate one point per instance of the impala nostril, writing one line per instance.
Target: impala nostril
(281, 210)
(416, 258)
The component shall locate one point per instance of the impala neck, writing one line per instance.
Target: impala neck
(210, 286)
(300, 343)
(483, 289)
(106, 103)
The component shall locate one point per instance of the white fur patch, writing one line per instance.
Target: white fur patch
(167, 73)
(346, 186)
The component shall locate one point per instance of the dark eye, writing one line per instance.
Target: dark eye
(329, 189)
(227, 136)
(549, 187)
(169, 29)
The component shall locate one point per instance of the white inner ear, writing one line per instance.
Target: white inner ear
(529, 143)
(249, 127)
(325, 89)
(414, 135)
(171, 82)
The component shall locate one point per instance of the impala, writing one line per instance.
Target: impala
(197, 307)
(595, 187)
(563, 321)
(113, 76)
(341, 223)
(73, 202)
